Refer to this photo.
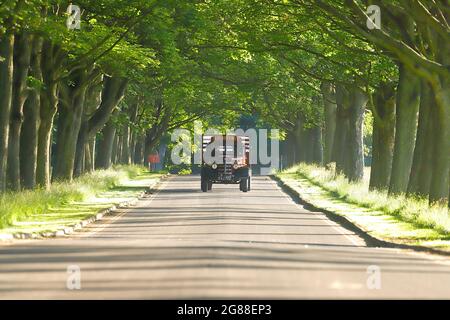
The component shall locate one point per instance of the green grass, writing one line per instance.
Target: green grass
(68, 203)
(396, 218)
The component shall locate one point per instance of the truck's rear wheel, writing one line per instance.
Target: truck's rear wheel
(243, 185)
(204, 185)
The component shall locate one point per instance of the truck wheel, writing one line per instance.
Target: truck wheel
(248, 184)
(244, 185)
(209, 185)
(204, 185)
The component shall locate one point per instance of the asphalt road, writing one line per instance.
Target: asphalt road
(182, 243)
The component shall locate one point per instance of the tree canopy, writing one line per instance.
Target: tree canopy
(72, 100)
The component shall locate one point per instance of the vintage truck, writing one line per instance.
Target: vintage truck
(231, 164)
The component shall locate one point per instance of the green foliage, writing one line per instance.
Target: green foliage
(215, 60)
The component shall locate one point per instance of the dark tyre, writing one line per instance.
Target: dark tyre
(209, 185)
(243, 185)
(248, 183)
(204, 185)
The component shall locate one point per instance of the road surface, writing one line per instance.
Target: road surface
(182, 243)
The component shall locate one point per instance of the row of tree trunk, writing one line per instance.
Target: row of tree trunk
(411, 137)
(410, 153)
(48, 119)
(339, 140)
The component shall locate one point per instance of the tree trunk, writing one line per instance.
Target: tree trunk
(307, 145)
(408, 98)
(6, 87)
(441, 148)
(68, 129)
(105, 148)
(125, 155)
(316, 145)
(133, 134)
(118, 153)
(89, 153)
(301, 146)
(22, 56)
(290, 149)
(330, 107)
(158, 129)
(111, 95)
(383, 137)
(30, 127)
(92, 103)
(133, 142)
(421, 170)
(80, 150)
(115, 148)
(139, 151)
(340, 145)
(49, 105)
(355, 168)
(48, 111)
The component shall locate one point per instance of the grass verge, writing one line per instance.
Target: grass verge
(66, 204)
(396, 219)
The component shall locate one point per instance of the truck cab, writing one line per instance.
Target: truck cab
(225, 160)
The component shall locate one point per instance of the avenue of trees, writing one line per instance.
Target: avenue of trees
(77, 99)
(72, 101)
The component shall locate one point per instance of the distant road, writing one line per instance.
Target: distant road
(183, 243)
